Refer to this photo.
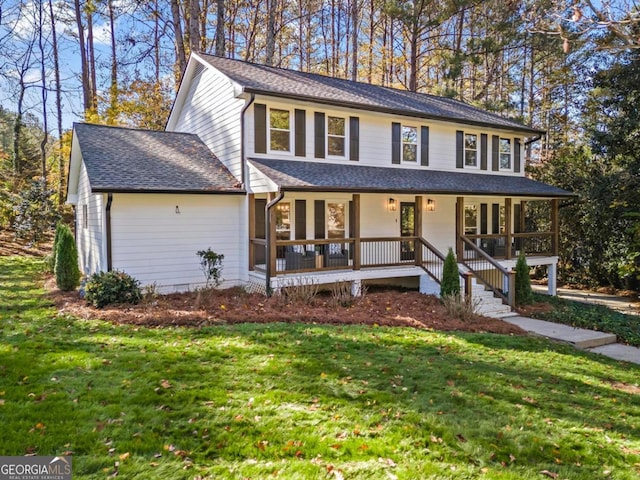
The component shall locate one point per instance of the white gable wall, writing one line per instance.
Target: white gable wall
(154, 244)
(90, 238)
(211, 111)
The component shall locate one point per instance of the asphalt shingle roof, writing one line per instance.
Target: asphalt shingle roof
(295, 175)
(133, 160)
(280, 82)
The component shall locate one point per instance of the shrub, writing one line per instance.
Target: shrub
(51, 259)
(450, 277)
(211, 266)
(35, 211)
(105, 288)
(460, 307)
(300, 289)
(524, 294)
(66, 261)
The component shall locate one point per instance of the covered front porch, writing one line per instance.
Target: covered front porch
(324, 222)
(298, 237)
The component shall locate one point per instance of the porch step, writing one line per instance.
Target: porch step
(491, 306)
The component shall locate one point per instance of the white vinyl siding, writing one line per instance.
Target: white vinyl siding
(90, 240)
(211, 110)
(154, 244)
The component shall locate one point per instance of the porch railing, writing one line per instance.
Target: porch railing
(488, 271)
(498, 246)
(305, 256)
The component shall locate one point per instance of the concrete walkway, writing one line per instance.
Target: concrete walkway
(614, 302)
(597, 342)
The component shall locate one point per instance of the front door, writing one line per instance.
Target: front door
(407, 229)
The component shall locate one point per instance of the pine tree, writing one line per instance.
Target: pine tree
(66, 269)
(450, 278)
(524, 294)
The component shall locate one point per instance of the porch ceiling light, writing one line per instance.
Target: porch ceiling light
(431, 205)
(391, 205)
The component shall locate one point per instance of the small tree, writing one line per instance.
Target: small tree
(56, 241)
(35, 211)
(450, 285)
(66, 266)
(524, 294)
(211, 266)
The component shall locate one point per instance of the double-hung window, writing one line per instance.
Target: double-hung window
(505, 154)
(336, 136)
(470, 150)
(409, 144)
(279, 130)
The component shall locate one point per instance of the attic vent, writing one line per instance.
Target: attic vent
(199, 68)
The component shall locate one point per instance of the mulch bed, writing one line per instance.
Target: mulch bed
(211, 307)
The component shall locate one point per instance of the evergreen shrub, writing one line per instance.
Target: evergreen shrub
(524, 294)
(450, 285)
(66, 260)
(106, 288)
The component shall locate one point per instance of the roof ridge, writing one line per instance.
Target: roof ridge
(135, 129)
(346, 81)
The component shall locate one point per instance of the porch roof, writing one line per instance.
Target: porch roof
(295, 175)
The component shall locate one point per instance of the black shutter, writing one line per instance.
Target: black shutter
(260, 205)
(352, 220)
(301, 220)
(483, 218)
(495, 153)
(516, 155)
(319, 134)
(260, 127)
(424, 146)
(495, 218)
(459, 149)
(517, 212)
(396, 143)
(318, 219)
(483, 151)
(300, 133)
(354, 139)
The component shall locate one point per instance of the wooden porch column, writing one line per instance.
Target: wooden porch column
(356, 231)
(271, 241)
(252, 230)
(555, 226)
(417, 230)
(459, 228)
(508, 228)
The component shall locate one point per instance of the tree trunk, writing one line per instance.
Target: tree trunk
(354, 40)
(220, 37)
(45, 125)
(181, 58)
(86, 90)
(113, 90)
(56, 72)
(271, 32)
(194, 25)
(92, 59)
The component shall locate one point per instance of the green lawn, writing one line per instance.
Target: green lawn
(305, 401)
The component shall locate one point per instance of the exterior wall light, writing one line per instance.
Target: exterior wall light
(177, 210)
(431, 205)
(391, 205)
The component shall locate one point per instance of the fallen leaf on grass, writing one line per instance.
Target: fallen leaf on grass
(549, 474)
(124, 456)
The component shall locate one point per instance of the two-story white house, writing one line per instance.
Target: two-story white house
(301, 177)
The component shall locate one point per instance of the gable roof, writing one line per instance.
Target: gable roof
(295, 175)
(121, 160)
(280, 82)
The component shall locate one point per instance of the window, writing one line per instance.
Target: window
(471, 150)
(336, 134)
(279, 130)
(283, 221)
(505, 153)
(470, 219)
(409, 144)
(335, 220)
(85, 216)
